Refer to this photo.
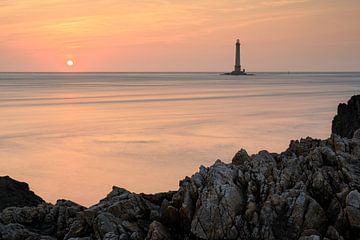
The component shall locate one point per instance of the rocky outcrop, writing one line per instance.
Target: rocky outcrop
(302, 193)
(310, 191)
(347, 120)
(43, 221)
(16, 194)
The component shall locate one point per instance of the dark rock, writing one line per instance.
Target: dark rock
(332, 233)
(311, 237)
(357, 134)
(106, 224)
(44, 219)
(219, 202)
(353, 215)
(157, 231)
(240, 157)
(121, 215)
(353, 209)
(16, 194)
(15, 231)
(158, 198)
(353, 199)
(347, 120)
(303, 147)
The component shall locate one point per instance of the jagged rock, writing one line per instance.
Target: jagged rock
(157, 231)
(240, 157)
(357, 134)
(121, 215)
(347, 120)
(16, 194)
(219, 202)
(311, 237)
(303, 147)
(81, 238)
(353, 209)
(44, 219)
(169, 214)
(332, 233)
(353, 215)
(15, 231)
(353, 199)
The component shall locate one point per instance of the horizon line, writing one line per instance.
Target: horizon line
(154, 72)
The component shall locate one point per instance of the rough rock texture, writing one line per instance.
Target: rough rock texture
(16, 194)
(44, 220)
(347, 120)
(311, 191)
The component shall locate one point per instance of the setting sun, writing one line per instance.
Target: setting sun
(70, 63)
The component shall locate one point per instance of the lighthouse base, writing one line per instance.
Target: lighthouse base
(236, 73)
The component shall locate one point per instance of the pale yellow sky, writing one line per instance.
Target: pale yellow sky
(179, 35)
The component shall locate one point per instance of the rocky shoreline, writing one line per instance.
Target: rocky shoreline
(310, 191)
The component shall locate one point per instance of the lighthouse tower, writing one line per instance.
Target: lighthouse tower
(237, 68)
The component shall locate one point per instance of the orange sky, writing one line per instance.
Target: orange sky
(179, 35)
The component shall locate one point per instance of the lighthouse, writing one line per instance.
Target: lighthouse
(237, 57)
(237, 67)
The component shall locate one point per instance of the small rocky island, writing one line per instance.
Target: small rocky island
(311, 191)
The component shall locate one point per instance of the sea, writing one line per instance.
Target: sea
(75, 135)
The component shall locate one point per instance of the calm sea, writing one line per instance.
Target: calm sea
(73, 136)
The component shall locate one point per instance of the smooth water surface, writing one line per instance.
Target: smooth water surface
(74, 136)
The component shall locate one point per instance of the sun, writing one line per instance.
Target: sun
(70, 62)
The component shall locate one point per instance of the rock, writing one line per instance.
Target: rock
(347, 120)
(65, 213)
(44, 219)
(15, 231)
(353, 215)
(357, 134)
(16, 194)
(106, 224)
(320, 188)
(353, 199)
(78, 228)
(353, 209)
(120, 215)
(130, 209)
(332, 233)
(339, 144)
(157, 231)
(240, 157)
(303, 147)
(169, 214)
(218, 204)
(311, 237)
(314, 216)
(81, 238)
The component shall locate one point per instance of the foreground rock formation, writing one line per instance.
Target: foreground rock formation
(310, 191)
(16, 194)
(347, 120)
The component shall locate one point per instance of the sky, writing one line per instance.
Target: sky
(179, 35)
